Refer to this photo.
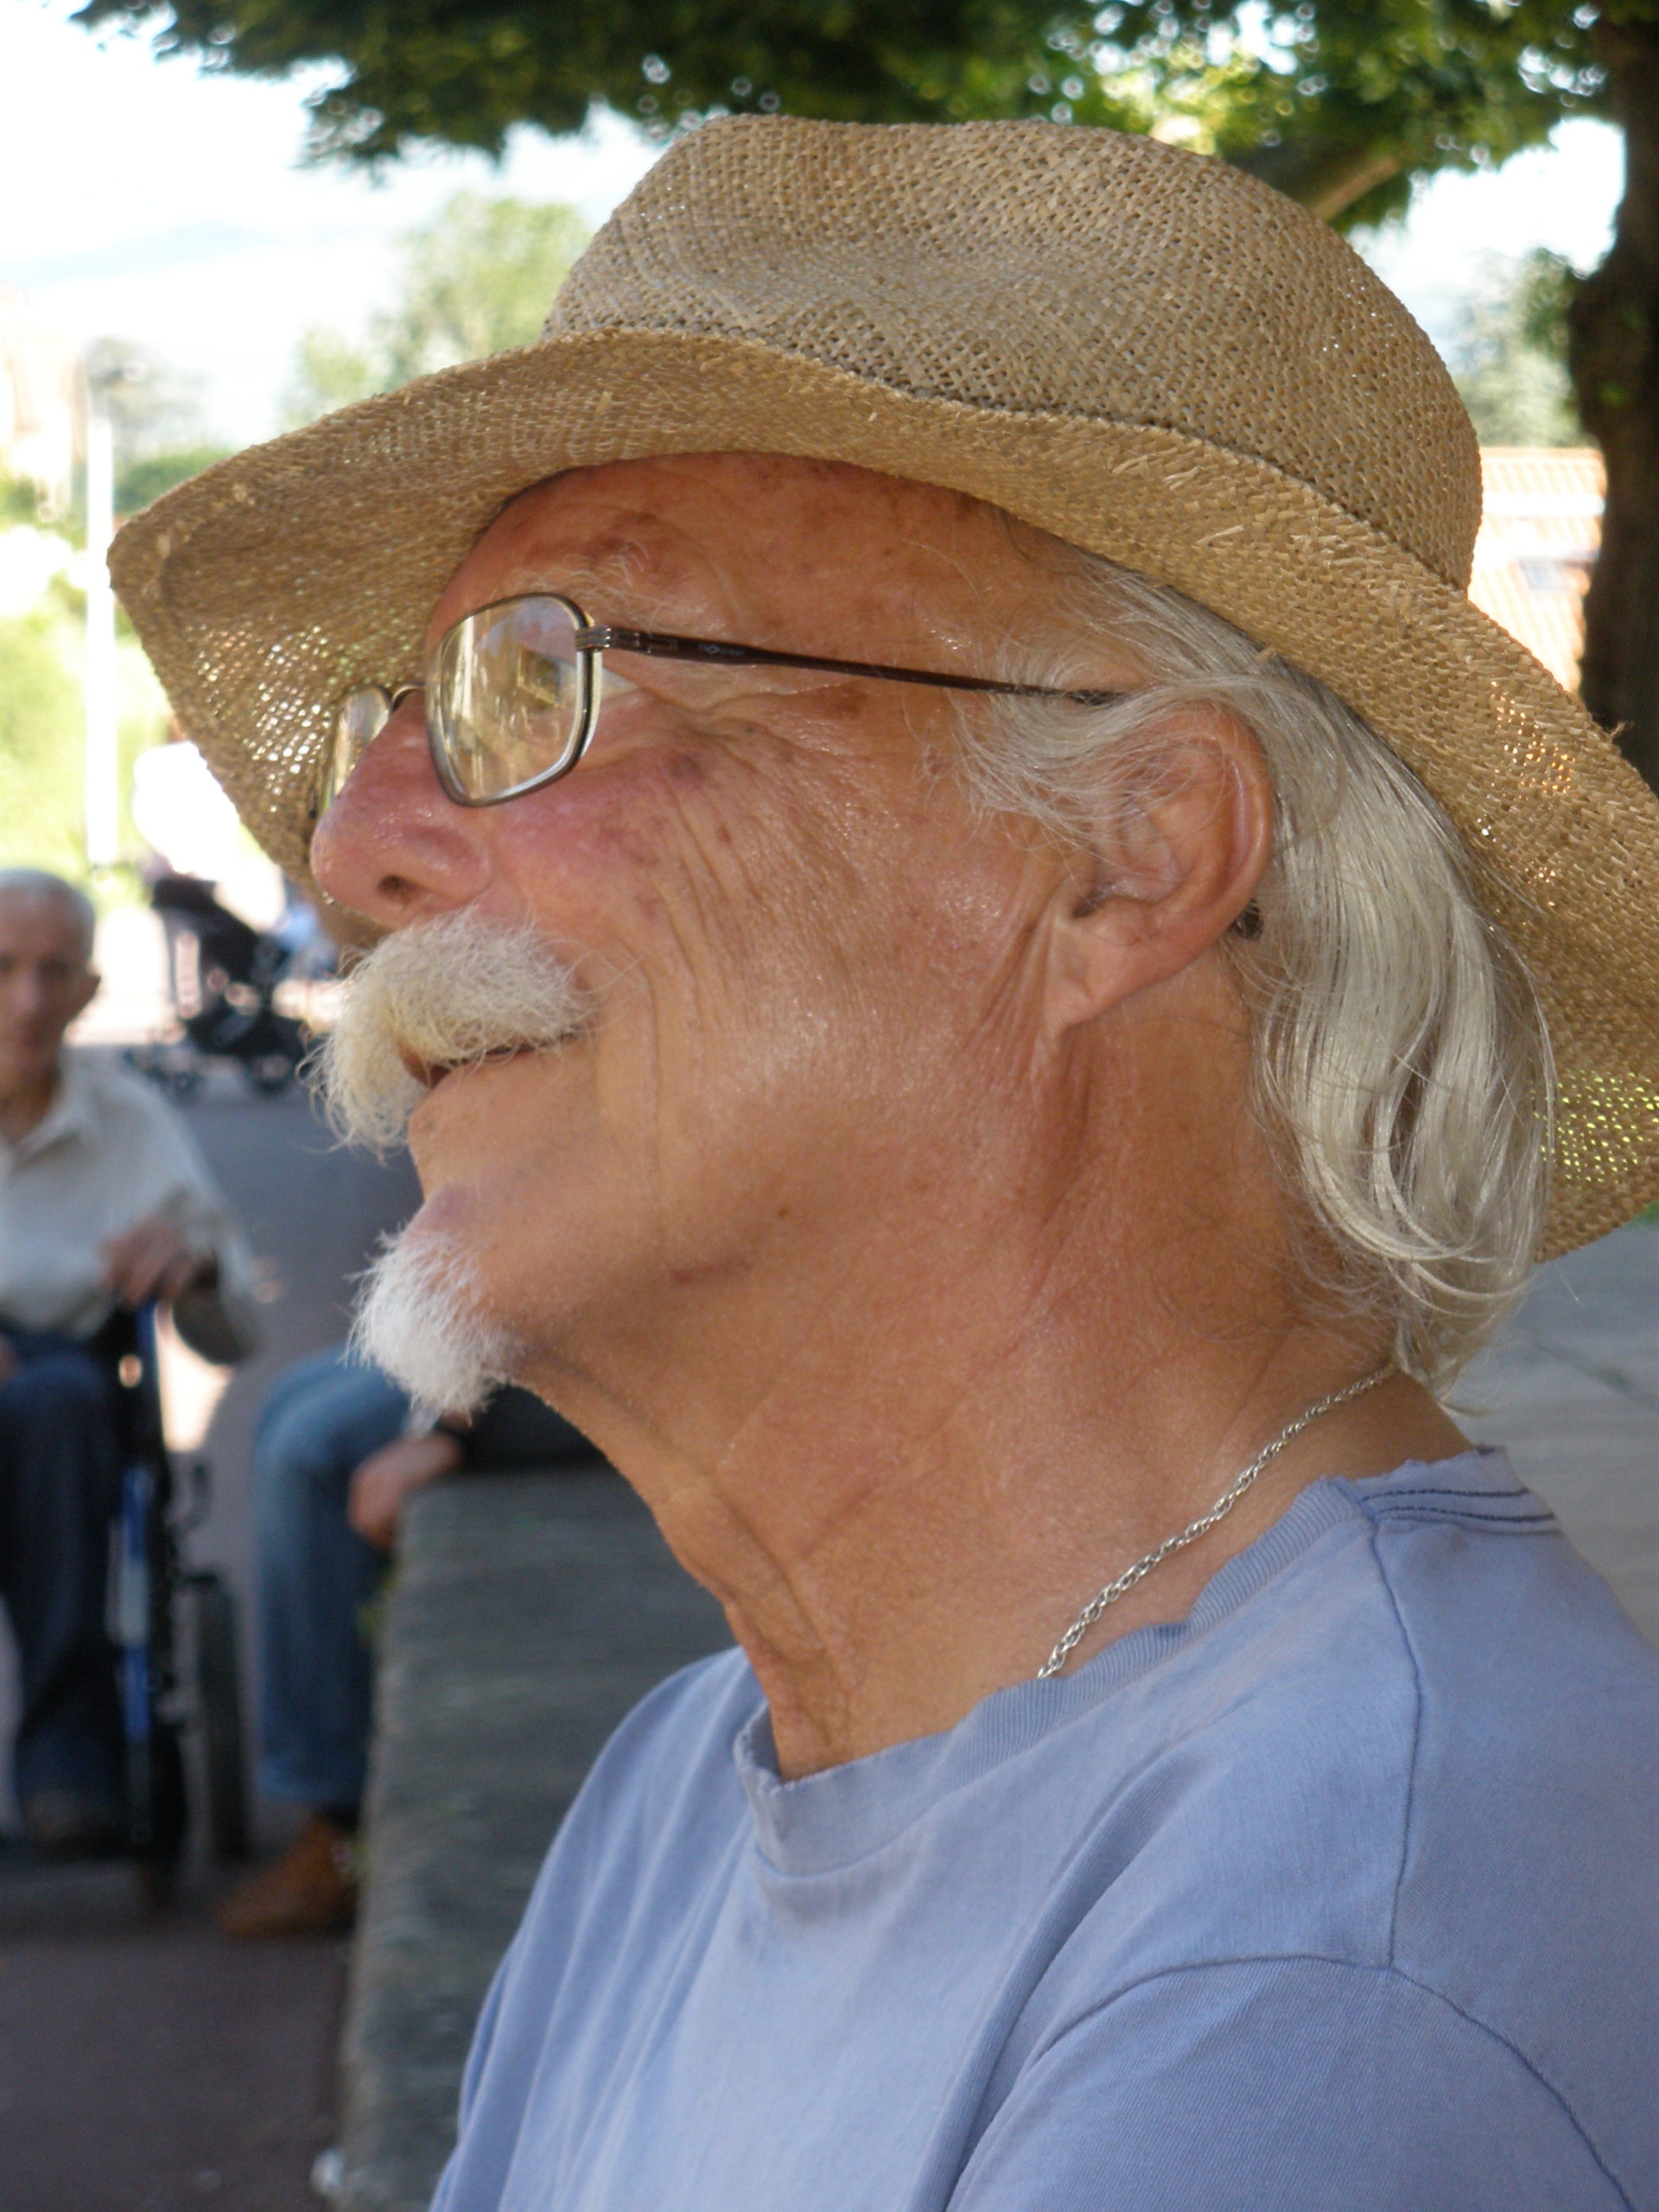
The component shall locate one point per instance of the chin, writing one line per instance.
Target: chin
(423, 1317)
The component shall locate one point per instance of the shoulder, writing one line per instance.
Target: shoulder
(1438, 1682)
(1417, 1776)
(1272, 1751)
(1296, 2082)
(117, 1100)
(1536, 1741)
(1529, 1890)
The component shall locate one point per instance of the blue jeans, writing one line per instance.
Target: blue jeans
(60, 1480)
(321, 1420)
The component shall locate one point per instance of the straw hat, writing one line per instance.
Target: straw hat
(1142, 351)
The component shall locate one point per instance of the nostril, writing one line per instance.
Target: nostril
(390, 843)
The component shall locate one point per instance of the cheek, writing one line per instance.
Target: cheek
(776, 930)
(847, 987)
(589, 860)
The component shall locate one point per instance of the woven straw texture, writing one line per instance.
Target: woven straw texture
(1142, 351)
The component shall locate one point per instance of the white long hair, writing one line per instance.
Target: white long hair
(1402, 1069)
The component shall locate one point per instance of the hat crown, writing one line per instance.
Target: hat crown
(1039, 269)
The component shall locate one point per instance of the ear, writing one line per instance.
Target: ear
(86, 992)
(1170, 874)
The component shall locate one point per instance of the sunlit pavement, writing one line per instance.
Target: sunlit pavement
(1571, 1391)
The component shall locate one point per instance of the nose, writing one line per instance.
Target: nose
(392, 846)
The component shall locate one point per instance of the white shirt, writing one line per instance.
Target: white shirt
(107, 1154)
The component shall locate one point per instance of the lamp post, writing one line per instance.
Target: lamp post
(104, 370)
(103, 729)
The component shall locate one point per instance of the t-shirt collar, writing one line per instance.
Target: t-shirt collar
(825, 1822)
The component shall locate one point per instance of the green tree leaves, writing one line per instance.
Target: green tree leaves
(139, 482)
(464, 72)
(1510, 353)
(1338, 102)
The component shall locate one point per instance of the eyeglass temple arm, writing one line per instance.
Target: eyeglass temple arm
(606, 638)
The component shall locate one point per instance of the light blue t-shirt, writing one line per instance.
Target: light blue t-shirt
(1342, 1893)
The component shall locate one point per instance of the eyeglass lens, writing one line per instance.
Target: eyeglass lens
(506, 705)
(358, 721)
(507, 701)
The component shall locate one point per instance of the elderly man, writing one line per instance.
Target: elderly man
(993, 968)
(104, 1201)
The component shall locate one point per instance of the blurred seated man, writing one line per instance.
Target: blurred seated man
(337, 1456)
(104, 1201)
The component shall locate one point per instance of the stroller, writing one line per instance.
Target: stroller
(222, 977)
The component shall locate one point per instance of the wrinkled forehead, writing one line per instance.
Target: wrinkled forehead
(762, 537)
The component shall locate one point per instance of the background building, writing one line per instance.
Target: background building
(41, 402)
(1540, 527)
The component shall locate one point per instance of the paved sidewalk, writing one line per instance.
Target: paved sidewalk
(1571, 1391)
(146, 2065)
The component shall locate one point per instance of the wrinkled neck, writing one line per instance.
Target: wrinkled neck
(905, 1456)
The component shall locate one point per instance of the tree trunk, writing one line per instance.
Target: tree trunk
(1325, 177)
(1614, 356)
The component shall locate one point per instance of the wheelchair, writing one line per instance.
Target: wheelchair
(222, 978)
(174, 1629)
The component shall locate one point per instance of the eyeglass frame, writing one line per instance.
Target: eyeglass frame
(593, 640)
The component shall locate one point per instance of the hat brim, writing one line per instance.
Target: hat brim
(272, 583)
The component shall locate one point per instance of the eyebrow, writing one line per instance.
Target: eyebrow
(614, 572)
(626, 565)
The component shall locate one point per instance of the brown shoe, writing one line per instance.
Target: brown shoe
(310, 1890)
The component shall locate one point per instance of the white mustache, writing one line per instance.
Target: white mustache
(443, 994)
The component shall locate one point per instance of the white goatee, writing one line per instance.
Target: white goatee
(418, 1319)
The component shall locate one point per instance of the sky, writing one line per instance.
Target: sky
(141, 200)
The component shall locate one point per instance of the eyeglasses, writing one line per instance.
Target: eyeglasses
(514, 690)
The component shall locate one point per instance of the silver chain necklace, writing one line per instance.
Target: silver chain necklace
(1222, 1506)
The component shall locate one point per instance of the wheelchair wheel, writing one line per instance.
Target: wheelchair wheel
(141, 1628)
(159, 1817)
(219, 1697)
